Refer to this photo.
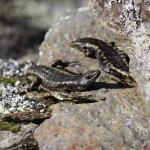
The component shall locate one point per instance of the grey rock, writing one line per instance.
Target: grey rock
(123, 15)
(147, 89)
(15, 106)
(21, 140)
(68, 28)
(10, 98)
(119, 122)
(93, 126)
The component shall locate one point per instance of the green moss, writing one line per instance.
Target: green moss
(13, 127)
(12, 80)
(7, 80)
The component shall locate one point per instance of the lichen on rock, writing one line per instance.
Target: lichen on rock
(11, 87)
(17, 104)
(125, 15)
(121, 119)
(17, 108)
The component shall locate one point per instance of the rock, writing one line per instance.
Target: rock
(16, 108)
(119, 122)
(123, 15)
(128, 18)
(68, 28)
(147, 89)
(13, 91)
(93, 126)
(21, 140)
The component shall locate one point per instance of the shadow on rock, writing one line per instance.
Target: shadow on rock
(100, 85)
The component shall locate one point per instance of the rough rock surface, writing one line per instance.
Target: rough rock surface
(17, 107)
(119, 122)
(129, 18)
(90, 126)
(123, 15)
(21, 140)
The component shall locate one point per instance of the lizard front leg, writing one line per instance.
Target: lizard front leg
(35, 83)
(63, 64)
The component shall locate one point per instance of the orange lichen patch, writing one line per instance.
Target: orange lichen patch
(118, 147)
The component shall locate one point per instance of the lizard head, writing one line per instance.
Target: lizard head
(89, 78)
(85, 45)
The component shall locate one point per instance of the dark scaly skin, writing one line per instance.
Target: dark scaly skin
(111, 59)
(54, 79)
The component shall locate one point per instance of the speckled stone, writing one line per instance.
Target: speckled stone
(94, 126)
(121, 15)
(21, 140)
(119, 122)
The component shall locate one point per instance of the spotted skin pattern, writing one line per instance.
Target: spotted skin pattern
(111, 59)
(55, 79)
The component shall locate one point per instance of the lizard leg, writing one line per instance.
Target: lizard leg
(34, 84)
(64, 64)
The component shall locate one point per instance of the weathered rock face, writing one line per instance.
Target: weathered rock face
(118, 122)
(132, 17)
(129, 17)
(18, 108)
(90, 126)
(20, 140)
(56, 43)
(123, 15)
